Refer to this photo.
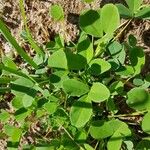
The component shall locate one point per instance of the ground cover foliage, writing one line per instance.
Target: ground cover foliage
(88, 94)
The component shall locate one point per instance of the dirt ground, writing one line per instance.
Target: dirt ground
(43, 28)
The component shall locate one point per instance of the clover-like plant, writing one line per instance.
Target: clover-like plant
(87, 95)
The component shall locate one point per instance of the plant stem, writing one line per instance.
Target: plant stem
(69, 135)
(120, 33)
(138, 113)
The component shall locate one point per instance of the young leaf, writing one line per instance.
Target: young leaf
(145, 123)
(90, 23)
(110, 18)
(74, 87)
(13, 42)
(101, 129)
(138, 99)
(81, 112)
(98, 66)
(98, 93)
(56, 11)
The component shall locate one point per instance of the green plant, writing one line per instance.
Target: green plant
(81, 96)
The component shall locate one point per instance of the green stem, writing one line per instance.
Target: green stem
(138, 113)
(29, 36)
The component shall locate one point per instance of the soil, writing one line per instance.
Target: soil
(43, 27)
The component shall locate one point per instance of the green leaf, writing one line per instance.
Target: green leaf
(138, 81)
(98, 92)
(21, 114)
(74, 87)
(143, 145)
(17, 102)
(143, 13)
(114, 48)
(4, 89)
(124, 11)
(90, 23)
(98, 66)
(66, 60)
(134, 5)
(137, 58)
(50, 107)
(145, 123)
(138, 99)
(27, 100)
(24, 89)
(132, 40)
(5, 80)
(13, 42)
(116, 88)
(85, 47)
(4, 116)
(129, 144)
(110, 18)
(15, 72)
(58, 60)
(121, 131)
(81, 136)
(9, 62)
(56, 11)
(88, 147)
(126, 71)
(81, 112)
(75, 61)
(14, 133)
(58, 77)
(101, 129)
